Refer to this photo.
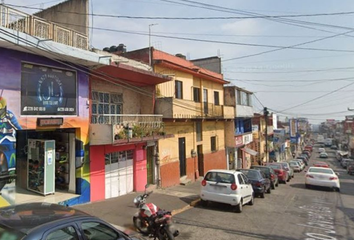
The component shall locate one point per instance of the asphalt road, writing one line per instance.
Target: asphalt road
(290, 212)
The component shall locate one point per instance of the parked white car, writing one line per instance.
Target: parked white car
(322, 177)
(323, 155)
(227, 186)
(321, 150)
(295, 165)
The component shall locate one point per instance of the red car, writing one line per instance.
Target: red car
(321, 164)
(309, 147)
(280, 171)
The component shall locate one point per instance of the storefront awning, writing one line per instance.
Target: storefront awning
(250, 151)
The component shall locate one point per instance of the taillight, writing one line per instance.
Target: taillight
(309, 176)
(203, 183)
(272, 176)
(233, 186)
(333, 178)
(258, 184)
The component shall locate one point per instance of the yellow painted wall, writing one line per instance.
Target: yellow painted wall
(168, 148)
(210, 129)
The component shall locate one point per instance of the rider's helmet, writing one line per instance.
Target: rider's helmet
(3, 107)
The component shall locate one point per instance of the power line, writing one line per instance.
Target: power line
(316, 98)
(189, 18)
(290, 46)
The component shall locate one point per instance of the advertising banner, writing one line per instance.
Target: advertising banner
(47, 91)
(238, 141)
(293, 127)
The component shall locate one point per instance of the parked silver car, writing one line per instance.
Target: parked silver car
(288, 169)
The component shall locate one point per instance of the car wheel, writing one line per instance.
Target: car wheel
(284, 181)
(238, 207)
(251, 202)
(269, 190)
(203, 203)
(337, 189)
(262, 195)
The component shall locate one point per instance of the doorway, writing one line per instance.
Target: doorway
(150, 164)
(182, 156)
(200, 160)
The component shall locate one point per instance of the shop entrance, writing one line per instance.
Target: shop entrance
(46, 158)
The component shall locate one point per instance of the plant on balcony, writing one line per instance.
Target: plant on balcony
(121, 135)
(138, 131)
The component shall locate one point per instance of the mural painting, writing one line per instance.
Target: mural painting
(33, 87)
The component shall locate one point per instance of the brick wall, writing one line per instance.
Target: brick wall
(216, 160)
(170, 174)
(191, 168)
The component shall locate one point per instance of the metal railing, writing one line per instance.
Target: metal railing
(38, 27)
(126, 126)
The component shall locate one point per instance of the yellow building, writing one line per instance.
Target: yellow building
(193, 110)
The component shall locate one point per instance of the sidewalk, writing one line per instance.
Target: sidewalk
(120, 210)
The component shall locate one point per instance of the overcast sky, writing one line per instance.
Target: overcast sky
(317, 82)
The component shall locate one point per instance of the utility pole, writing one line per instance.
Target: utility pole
(265, 112)
(150, 25)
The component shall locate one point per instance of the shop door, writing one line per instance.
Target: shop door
(119, 173)
(150, 164)
(200, 160)
(182, 156)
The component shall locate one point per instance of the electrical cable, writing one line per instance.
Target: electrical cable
(184, 105)
(189, 18)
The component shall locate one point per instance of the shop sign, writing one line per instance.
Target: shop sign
(238, 141)
(49, 122)
(247, 138)
(47, 90)
(255, 128)
(293, 127)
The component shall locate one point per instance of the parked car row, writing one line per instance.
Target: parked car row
(241, 186)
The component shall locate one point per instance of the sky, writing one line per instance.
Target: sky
(257, 52)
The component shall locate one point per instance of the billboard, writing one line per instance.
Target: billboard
(293, 127)
(47, 90)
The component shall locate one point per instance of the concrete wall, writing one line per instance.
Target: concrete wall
(61, 13)
(212, 63)
(215, 160)
(133, 102)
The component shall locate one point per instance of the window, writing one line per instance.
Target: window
(238, 94)
(240, 179)
(216, 98)
(198, 126)
(250, 100)
(178, 89)
(196, 94)
(99, 231)
(244, 99)
(67, 233)
(213, 144)
(104, 104)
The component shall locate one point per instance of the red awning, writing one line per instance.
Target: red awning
(130, 75)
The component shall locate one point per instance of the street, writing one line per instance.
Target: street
(289, 212)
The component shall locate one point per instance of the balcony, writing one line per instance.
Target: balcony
(244, 111)
(181, 109)
(38, 27)
(126, 128)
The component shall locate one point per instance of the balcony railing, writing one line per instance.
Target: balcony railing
(123, 128)
(38, 27)
(187, 109)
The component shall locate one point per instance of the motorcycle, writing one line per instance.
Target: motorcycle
(153, 221)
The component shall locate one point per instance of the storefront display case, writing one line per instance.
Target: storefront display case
(41, 166)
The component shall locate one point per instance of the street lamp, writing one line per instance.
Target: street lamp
(150, 25)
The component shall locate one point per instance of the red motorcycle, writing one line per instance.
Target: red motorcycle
(153, 221)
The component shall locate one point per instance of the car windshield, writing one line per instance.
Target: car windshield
(321, 170)
(294, 164)
(10, 234)
(220, 177)
(253, 175)
(275, 166)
